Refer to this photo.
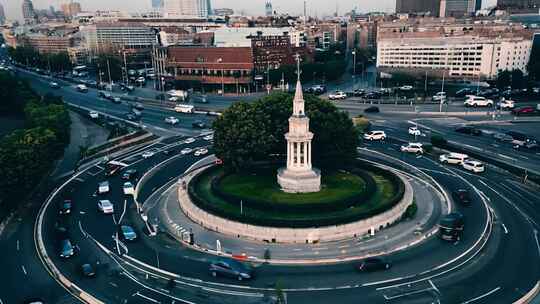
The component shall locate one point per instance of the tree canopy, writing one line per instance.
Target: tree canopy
(247, 133)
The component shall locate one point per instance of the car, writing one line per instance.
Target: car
(502, 137)
(81, 88)
(526, 110)
(231, 268)
(129, 174)
(520, 139)
(453, 158)
(473, 165)
(54, 85)
(506, 104)
(34, 301)
(201, 151)
(131, 117)
(406, 88)
(93, 114)
(209, 137)
(462, 197)
(186, 151)
(87, 270)
(372, 109)
(477, 101)
(414, 131)
(464, 92)
(148, 154)
(189, 140)
(359, 92)
(451, 226)
(198, 124)
(172, 120)
(412, 148)
(103, 187)
(373, 264)
(105, 206)
(128, 188)
(65, 207)
(375, 135)
(174, 99)
(372, 95)
(127, 233)
(116, 100)
(439, 96)
(67, 248)
(337, 95)
(139, 106)
(469, 130)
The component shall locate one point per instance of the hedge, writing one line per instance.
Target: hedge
(336, 218)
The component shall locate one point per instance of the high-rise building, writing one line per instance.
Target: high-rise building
(458, 8)
(71, 9)
(518, 3)
(418, 6)
(29, 14)
(268, 8)
(2, 15)
(187, 8)
(157, 4)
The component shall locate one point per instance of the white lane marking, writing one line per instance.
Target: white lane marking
(146, 297)
(234, 293)
(537, 242)
(505, 229)
(507, 157)
(18, 248)
(406, 294)
(482, 296)
(24, 270)
(434, 287)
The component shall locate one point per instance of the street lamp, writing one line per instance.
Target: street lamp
(268, 72)
(220, 60)
(354, 62)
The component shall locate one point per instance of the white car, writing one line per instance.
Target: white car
(103, 187)
(81, 88)
(201, 151)
(506, 104)
(375, 135)
(414, 131)
(413, 148)
(478, 101)
(209, 137)
(453, 158)
(172, 120)
(406, 88)
(105, 206)
(174, 99)
(186, 151)
(337, 95)
(189, 140)
(148, 154)
(128, 188)
(94, 115)
(54, 85)
(440, 96)
(474, 166)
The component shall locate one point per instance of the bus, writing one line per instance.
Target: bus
(183, 108)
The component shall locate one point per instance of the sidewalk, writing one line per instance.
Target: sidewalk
(169, 216)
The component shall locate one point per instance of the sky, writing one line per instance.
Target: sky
(254, 7)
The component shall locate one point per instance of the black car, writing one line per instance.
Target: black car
(129, 174)
(65, 207)
(372, 95)
(67, 249)
(372, 109)
(462, 196)
(373, 264)
(231, 268)
(451, 227)
(87, 270)
(469, 130)
(359, 92)
(198, 124)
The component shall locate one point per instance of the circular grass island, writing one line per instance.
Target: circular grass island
(255, 198)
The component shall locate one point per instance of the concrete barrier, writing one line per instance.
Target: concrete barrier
(293, 235)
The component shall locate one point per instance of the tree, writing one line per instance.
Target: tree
(14, 94)
(518, 80)
(503, 79)
(104, 62)
(247, 133)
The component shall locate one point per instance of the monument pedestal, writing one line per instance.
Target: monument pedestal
(302, 181)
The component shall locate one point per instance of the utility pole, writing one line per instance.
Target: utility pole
(109, 71)
(125, 68)
(442, 90)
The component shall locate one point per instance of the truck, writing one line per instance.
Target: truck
(179, 94)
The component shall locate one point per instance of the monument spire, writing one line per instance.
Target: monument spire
(298, 101)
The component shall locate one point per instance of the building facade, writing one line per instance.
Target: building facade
(518, 3)
(223, 12)
(28, 12)
(459, 8)
(187, 8)
(431, 7)
(48, 44)
(2, 15)
(111, 37)
(271, 52)
(71, 9)
(269, 11)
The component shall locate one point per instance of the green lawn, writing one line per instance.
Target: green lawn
(335, 187)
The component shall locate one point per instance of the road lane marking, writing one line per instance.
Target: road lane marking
(505, 229)
(24, 270)
(146, 297)
(537, 242)
(482, 296)
(18, 248)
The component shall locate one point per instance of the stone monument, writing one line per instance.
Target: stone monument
(299, 176)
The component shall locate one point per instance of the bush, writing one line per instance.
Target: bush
(411, 211)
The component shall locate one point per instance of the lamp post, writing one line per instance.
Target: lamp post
(220, 60)
(354, 62)
(268, 72)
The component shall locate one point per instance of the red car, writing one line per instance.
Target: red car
(527, 110)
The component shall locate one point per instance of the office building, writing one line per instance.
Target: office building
(518, 3)
(48, 44)
(29, 14)
(427, 7)
(459, 8)
(187, 8)
(71, 9)
(111, 37)
(2, 15)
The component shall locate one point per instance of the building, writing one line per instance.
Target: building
(173, 35)
(157, 4)
(71, 8)
(240, 36)
(29, 14)
(459, 8)
(299, 176)
(362, 35)
(187, 8)
(271, 52)
(463, 56)
(519, 4)
(110, 37)
(2, 15)
(211, 67)
(48, 44)
(268, 8)
(223, 12)
(429, 7)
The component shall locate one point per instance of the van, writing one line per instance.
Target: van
(453, 158)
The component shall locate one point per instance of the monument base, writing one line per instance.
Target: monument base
(304, 181)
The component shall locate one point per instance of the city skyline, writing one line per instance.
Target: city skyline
(315, 7)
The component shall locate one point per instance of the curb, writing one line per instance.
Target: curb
(530, 296)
